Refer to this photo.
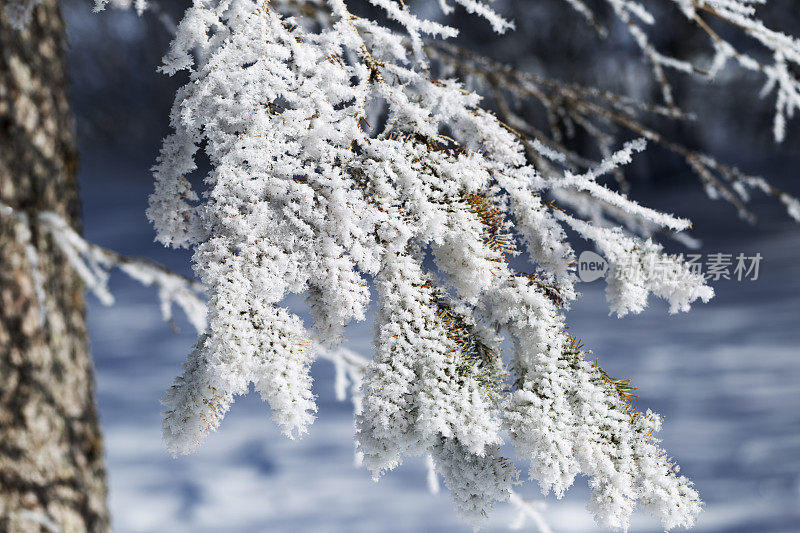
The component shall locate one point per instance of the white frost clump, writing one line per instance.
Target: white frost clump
(442, 389)
(568, 417)
(336, 158)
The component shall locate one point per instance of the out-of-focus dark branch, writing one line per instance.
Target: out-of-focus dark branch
(603, 115)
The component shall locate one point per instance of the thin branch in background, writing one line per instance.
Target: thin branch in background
(528, 511)
(596, 111)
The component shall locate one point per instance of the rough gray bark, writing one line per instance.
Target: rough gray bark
(51, 459)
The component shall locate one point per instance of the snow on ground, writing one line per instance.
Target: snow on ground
(726, 376)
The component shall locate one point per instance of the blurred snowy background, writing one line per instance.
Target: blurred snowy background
(726, 376)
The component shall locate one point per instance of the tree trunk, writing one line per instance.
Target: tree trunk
(51, 454)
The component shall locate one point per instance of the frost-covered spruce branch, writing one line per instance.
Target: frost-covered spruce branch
(335, 159)
(785, 49)
(779, 72)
